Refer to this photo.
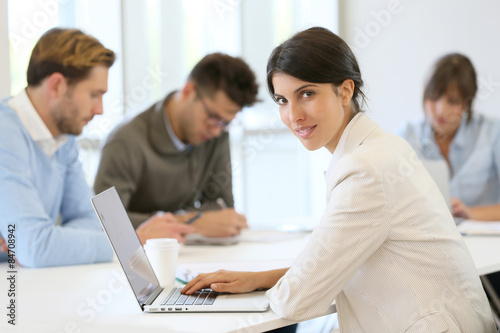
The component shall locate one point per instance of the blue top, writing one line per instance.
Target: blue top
(36, 191)
(474, 157)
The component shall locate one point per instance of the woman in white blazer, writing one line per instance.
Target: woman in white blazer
(386, 249)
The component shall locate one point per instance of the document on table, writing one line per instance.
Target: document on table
(267, 235)
(470, 227)
(248, 266)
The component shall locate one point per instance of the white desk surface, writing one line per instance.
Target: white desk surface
(97, 298)
(485, 253)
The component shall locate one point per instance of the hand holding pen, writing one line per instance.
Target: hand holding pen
(225, 222)
(221, 203)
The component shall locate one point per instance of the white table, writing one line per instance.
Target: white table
(485, 251)
(97, 298)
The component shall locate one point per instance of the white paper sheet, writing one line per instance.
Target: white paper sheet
(470, 227)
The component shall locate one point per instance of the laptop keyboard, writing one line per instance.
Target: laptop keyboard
(199, 297)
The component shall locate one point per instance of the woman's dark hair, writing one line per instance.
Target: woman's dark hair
(453, 70)
(317, 55)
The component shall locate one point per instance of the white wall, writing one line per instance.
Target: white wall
(396, 43)
(4, 51)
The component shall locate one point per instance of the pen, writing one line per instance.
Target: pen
(184, 275)
(221, 203)
(181, 280)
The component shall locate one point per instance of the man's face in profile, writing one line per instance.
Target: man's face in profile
(81, 102)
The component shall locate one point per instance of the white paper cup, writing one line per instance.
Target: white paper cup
(162, 254)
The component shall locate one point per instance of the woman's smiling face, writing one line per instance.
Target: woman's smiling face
(316, 113)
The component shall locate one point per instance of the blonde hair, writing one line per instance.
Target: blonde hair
(69, 52)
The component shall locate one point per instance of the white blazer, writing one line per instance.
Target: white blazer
(386, 250)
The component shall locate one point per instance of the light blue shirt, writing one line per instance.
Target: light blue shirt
(474, 157)
(179, 145)
(36, 191)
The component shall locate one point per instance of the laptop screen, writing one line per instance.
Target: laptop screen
(126, 244)
(438, 169)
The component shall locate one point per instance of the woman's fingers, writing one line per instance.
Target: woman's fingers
(199, 282)
(221, 281)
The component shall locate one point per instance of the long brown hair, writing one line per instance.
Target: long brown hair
(453, 69)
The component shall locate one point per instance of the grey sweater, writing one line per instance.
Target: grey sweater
(150, 174)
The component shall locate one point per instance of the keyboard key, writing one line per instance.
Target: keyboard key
(211, 298)
(182, 299)
(201, 299)
(192, 298)
(174, 297)
(168, 296)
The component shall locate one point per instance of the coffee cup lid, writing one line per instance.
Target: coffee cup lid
(162, 242)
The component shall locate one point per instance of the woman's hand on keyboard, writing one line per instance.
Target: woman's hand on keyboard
(234, 282)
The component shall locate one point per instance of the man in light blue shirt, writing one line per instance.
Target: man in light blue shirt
(47, 218)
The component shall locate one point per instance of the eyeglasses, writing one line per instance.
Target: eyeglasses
(212, 119)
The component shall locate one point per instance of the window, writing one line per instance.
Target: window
(32, 19)
(157, 43)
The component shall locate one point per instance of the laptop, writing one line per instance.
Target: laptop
(142, 279)
(438, 169)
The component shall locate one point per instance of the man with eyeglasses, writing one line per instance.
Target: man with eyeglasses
(174, 157)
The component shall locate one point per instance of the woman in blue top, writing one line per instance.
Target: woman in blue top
(467, 141)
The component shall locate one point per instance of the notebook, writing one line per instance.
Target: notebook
(142, 279)
(199, 239)
(474, 228)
